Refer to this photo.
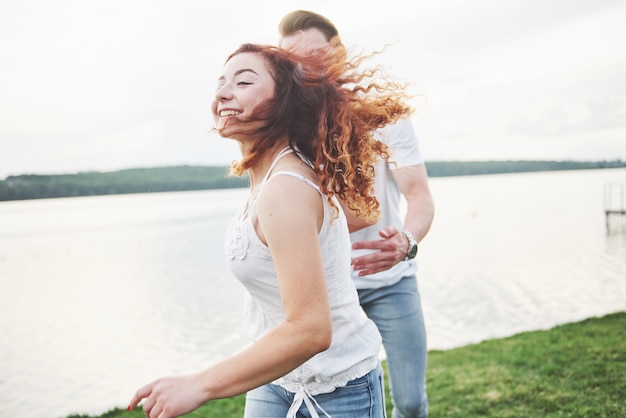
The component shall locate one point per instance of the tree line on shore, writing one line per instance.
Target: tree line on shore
(186, 178)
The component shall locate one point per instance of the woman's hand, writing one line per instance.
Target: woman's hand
(170, 397)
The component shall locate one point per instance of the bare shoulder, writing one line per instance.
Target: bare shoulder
(289, 199)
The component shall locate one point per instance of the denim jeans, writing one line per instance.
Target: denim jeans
(359, 398)
(397, 312)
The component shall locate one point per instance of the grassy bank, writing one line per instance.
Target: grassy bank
(573, 370)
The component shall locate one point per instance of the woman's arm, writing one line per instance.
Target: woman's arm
(289, 215)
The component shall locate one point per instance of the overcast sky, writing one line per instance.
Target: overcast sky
(106, 85)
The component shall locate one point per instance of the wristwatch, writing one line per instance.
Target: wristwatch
(412, 251)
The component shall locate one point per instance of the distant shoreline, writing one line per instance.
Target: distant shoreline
(188, 178)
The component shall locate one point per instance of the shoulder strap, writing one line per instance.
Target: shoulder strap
(280, 155)
(298, 176)
(252, 200)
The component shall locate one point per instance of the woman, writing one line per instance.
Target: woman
(305, 137)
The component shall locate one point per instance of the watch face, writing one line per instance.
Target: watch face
(412, 252)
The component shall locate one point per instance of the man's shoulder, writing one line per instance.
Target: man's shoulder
(402, 143)
(401, 131)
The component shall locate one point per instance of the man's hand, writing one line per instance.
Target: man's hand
(392, 249)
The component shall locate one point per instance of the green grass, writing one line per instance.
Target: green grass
(573, 370)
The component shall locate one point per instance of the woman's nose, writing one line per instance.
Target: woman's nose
(222, 93)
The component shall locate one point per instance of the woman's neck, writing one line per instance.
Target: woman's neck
(262, 165)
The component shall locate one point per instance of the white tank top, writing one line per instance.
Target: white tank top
(356, 342)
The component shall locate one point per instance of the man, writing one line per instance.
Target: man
(384, 253)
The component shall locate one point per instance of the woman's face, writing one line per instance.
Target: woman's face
(245, 82)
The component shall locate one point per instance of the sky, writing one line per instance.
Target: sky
(106, 85)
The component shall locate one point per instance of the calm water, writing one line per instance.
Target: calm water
(99, 295)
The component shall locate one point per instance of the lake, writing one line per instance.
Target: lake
(99, 295)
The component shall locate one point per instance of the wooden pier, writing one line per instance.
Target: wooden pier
(614, 201)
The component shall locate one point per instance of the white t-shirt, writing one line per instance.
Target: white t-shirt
(403, 152)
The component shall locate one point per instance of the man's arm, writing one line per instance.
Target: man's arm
(413, 184)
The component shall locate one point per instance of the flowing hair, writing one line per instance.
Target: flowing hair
(328, 109)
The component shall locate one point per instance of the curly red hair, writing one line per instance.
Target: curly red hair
(329, 110)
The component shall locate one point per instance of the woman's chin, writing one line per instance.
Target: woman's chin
(235, 128)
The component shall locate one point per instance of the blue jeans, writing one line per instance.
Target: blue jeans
(360, 398)
(397, 312)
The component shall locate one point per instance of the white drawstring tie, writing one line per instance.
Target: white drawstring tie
(303, 395)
